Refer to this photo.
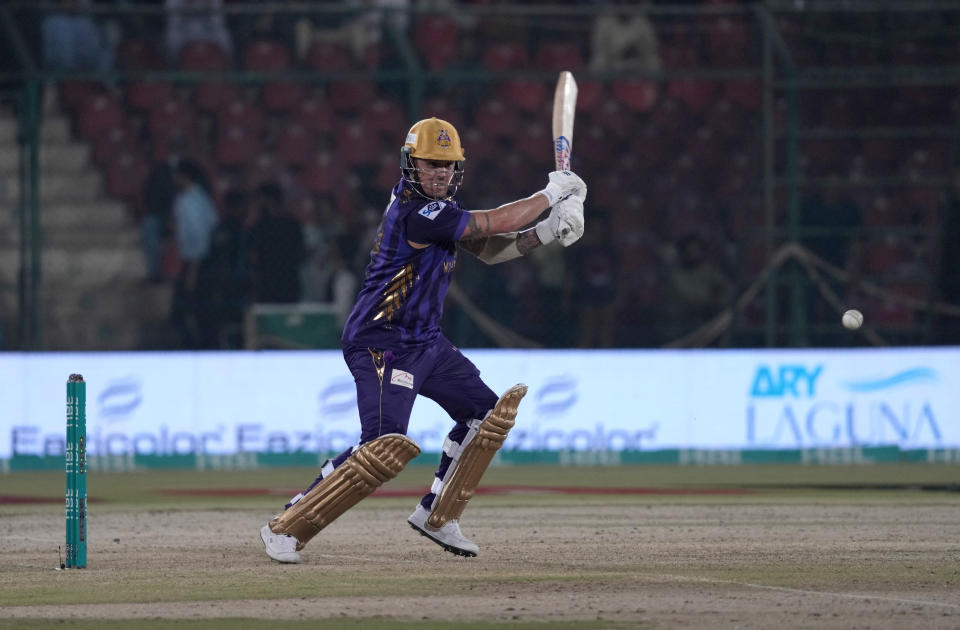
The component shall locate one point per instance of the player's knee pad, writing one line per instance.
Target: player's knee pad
(370, 466)
(474, 458)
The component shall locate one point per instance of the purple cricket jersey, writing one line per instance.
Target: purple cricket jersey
(401, 301)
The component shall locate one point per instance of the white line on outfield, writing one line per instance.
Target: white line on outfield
(787, 589)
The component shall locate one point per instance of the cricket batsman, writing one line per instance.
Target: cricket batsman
(394, 347)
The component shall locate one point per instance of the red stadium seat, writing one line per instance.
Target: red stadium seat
(497, 118)
(356, 145)
(696, 95)
(125, 175)
(442, 108)
(112, 142)
(242, 113)
(266, 56)
(236, 146)
(264, 167)
(321, 175)
(559, 55)
(747, 93)
(98, 115)
(147, 94)
(590, 95)
(437, 40)
(328, 57)
(535, 143)
(295, 145)
(202, 55)
(172, 113)
(351, 95)
(505, 56)
(638, 96)
(314, 114)
(385, 116)
(282, 96)
(528, 96)
(215, 95)
(73, 94)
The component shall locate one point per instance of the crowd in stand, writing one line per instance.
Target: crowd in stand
(237, 185)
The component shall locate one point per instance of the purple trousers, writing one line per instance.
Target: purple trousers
(388, 382)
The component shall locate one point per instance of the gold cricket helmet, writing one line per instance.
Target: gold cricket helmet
(434, 139)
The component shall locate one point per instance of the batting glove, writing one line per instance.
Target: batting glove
(563, 184)
(565, 223)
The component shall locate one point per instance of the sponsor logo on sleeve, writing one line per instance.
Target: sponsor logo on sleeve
(399, 377)
(432, 209)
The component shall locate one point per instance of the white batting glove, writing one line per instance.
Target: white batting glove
(564, 184)
(570, 211)
(565, 223)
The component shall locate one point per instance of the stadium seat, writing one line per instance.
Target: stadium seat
(385, 116)
(236, 146)
(171, 114)
(356, 145)
(295, 145)
(214, 95)
(146, 94)
(99, 114)
(314, 114)
(442, 108)
(321, 175)
(637, 96)
(72, 94)
(528, 96)
(746, 93)
(590, 95)
(198, 55)
(534, 142)
(112, 142)
(125, 175)
(696, 95)
(351, 95)
(266, 56)
(436, 39)
(264, 167)
(328, 57)
(282, 96)
(496, 118)
(505, 56)
(242, 113)
(558, 55)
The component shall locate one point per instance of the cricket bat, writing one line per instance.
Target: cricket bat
(564, 108)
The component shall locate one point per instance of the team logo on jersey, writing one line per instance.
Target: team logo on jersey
(443, 139)
(432, 209)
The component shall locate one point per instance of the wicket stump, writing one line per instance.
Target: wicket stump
(76, 467)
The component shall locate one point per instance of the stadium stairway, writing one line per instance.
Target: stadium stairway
(93, 292)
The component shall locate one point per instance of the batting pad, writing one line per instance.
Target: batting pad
(475, 458)
(368, 467)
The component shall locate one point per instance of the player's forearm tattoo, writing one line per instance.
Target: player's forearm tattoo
(478, 225)
(527, 242)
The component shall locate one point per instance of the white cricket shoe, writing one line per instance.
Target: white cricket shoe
(449, 536)
(280, 547)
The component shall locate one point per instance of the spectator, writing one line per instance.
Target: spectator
(224, 279)
(157, 198)
(623, 41)
(194, 217)
(196, 20)
(278, 248)
(73, 42)
(696, 288)
(597, 287)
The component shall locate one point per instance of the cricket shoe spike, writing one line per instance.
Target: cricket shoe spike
(449, 536)
(280, 547)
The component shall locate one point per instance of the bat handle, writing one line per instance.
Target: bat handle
(561, 149)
